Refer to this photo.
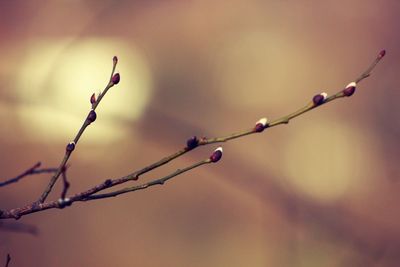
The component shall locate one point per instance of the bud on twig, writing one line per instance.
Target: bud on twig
(91, 116)
(192, 142)
(70, 147)
(381, 54)
(115, 78)
(319, 99)
(261, 125)
(115, 60)
(93, 99)
(350, 89)
(216, 155)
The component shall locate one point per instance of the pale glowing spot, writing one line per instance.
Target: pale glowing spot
(60, 76)
(326, 160)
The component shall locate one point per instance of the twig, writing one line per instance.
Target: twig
(8, 260)
(31, 171)
(91, 117)
(191, 144)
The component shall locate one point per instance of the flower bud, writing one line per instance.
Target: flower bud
(70, 147)
(63, 202)
(216, 155)
(319, 99)
(260, 125)
(115, 60)
(93, 99)
(350, 89)
(115, 78)
(91, 116)
(381, 54)
(192, 142)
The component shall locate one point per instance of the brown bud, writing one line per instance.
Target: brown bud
(319, 99)
(382, 54)
(70, 147)
(115, 78)
(216, 155)
(192, 142)
(92, 116)
(93, 99)
(350, 89)
(261, 125)
(115, 60)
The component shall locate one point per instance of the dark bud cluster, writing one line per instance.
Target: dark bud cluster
(192, 143)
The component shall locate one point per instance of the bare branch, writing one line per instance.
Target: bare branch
(192, 143)
(91, 117)
(31, 171)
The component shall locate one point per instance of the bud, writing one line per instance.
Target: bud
(70, 147)
(260, 125)
(319, 99)
(93, 99)
(381, 54)
(192, 142)
(91, 116)
(216, 155)
(115, 78)
(63, 202)
(350, 89)
(115, 60)
(108, 182)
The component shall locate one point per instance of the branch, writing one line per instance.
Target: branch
(8, 260)
(31, 171)
(192, 143)
(91, 117)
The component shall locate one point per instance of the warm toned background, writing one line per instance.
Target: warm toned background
(321, 191)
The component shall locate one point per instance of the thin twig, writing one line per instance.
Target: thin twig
(65, 183)
(17, 227)
(192, 143)
(71, 146)
(31, 171)
(159, 181)
(8, 260)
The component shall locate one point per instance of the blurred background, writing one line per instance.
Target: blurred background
(320, 191)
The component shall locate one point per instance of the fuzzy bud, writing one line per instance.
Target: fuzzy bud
(70, 147)
(319, 99)
(261, 125)
(382, 54)
(63, 202)
(93, 99)
(350, 89)
(192, 142)
(115, 60)
(92, 116)
(115, 78)
(216, 155)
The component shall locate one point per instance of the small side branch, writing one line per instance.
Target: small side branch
(31, 171)
(8, 259)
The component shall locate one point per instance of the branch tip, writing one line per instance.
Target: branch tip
(216, 155)
(381, 54)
